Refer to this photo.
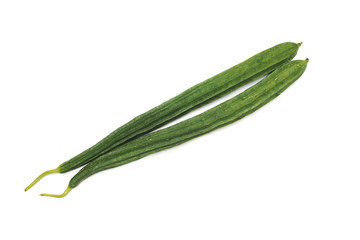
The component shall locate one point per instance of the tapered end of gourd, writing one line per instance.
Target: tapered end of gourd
(56, 170)
(67, 190)
(306, 60)
(299, 44)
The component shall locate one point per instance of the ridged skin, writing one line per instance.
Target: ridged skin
(196, 96)
(219, 116)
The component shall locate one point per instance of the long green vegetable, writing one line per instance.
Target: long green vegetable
(198, 95)
(219, 116)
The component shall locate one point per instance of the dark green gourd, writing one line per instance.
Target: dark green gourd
(221, 115)
(196, 96)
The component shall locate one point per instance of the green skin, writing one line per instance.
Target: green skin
(196, 96)
(219, 116)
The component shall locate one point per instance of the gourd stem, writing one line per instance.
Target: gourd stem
(299, 44)
(67, 190)
(56, 170)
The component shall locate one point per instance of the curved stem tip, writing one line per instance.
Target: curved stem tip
(56, 170)
(67, 190)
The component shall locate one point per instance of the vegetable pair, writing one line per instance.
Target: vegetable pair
(133, 140)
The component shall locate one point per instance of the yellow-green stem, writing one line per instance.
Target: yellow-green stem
(56, 170)
(67, 190)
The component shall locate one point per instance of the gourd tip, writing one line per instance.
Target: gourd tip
(306, 60)
(299, 44)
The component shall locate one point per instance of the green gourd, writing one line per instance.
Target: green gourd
(196, 96)
(221, 115)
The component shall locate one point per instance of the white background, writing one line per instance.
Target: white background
(73, 71)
